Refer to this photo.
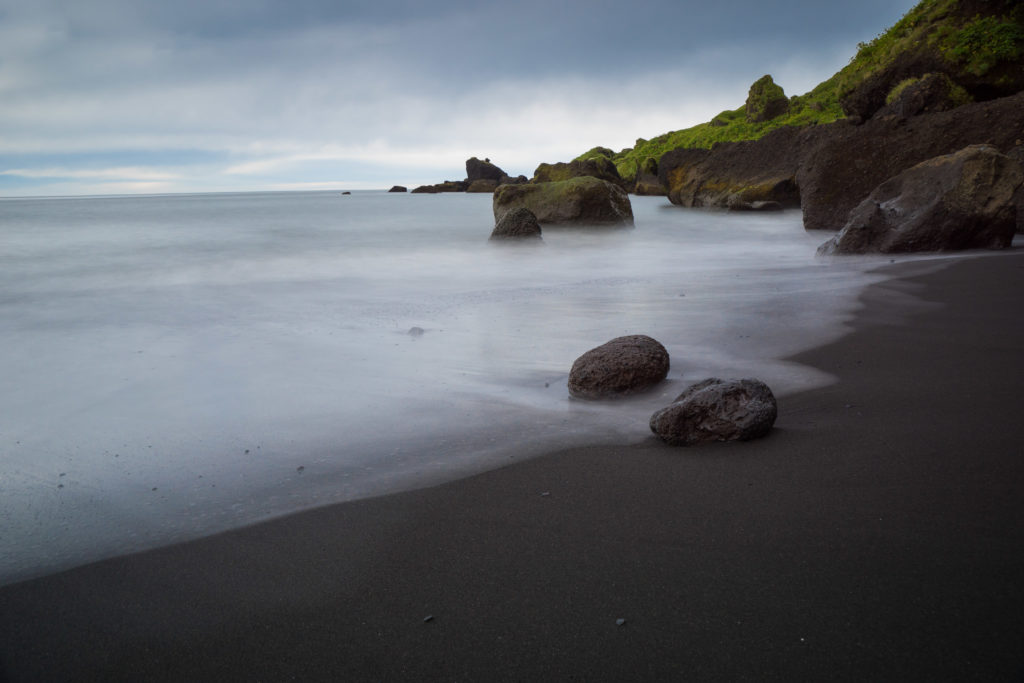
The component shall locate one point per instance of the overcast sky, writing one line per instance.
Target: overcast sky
(148, 96)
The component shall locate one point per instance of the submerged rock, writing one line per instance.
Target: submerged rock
(578, 201)
(517, 224)
(717, 410)
(622, 366)
(955, 201)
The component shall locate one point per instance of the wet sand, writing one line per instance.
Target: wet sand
(876, 534)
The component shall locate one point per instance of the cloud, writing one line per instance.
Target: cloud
(137, 173)
(274, 93)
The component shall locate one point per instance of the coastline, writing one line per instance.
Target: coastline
(878, 532)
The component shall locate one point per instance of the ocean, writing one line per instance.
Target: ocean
(178, 365)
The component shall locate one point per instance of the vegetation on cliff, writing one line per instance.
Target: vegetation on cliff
(978, 44)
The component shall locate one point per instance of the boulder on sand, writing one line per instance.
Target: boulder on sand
(517, 224)
(717, 410)
(622, 366)
(578, 201)
(951, 202)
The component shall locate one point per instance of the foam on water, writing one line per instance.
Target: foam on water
(175, 366)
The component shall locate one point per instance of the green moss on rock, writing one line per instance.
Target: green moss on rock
(578, 201)
(765, 101)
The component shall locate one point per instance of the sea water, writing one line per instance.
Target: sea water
(173, 366)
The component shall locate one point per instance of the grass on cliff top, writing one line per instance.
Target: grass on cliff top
(974, 44)
(821, 105)
(971, 43)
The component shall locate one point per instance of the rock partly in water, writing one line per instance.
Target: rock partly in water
(483, 170)
(647, 182)
(622, 366)
(446, 186)
(717, 410)
(399, 188)
(579, 201)
(956, 201)
(753, 170)
(482, 185)
(517, 224)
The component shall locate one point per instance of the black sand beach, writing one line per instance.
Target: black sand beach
(876, 534)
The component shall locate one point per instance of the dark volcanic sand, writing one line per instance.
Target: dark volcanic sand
(876, 534)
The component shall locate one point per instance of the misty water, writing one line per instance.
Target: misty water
(178, 365)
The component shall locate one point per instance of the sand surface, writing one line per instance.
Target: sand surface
(876, 534)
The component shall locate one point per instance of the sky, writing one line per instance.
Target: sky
(158, 96)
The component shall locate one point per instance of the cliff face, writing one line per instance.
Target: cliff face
(827, 170)
(848, 163)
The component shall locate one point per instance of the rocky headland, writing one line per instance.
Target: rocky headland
(948, 75)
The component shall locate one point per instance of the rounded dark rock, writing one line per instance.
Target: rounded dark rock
(622, 366)
(717, 410)
(518, 223)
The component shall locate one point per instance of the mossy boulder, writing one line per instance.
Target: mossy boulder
(596, 167)
(578, 201)
(766, 100)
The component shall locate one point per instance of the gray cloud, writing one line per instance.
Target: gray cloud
(278, 86)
